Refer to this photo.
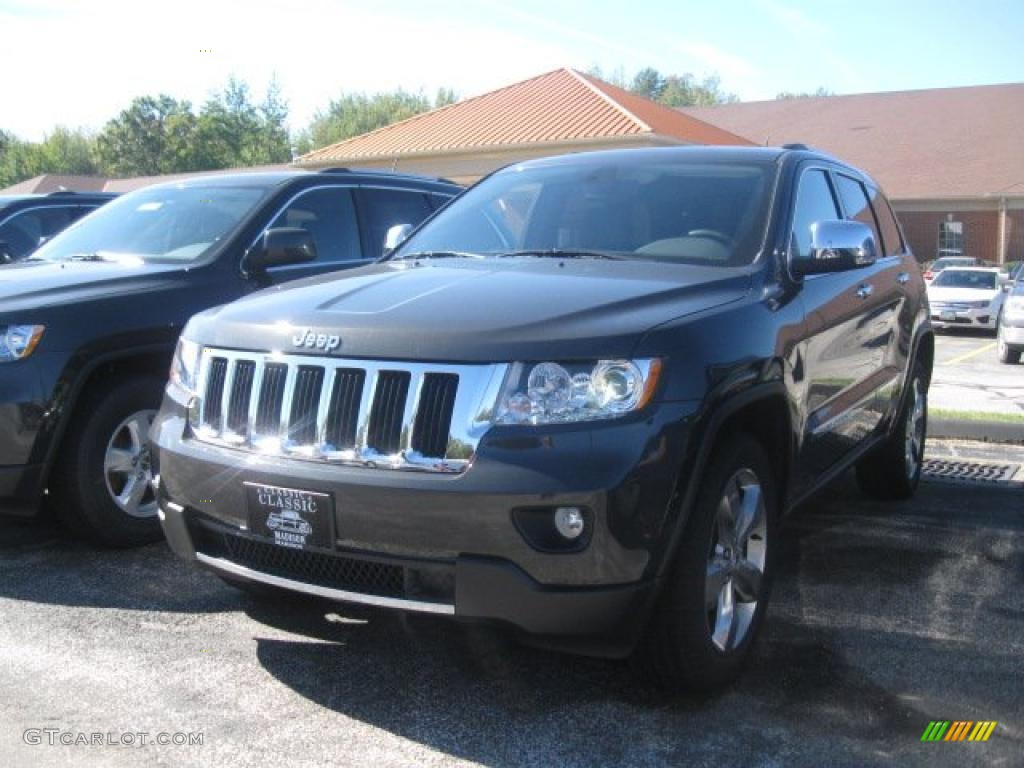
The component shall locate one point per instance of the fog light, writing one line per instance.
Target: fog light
(569, 522)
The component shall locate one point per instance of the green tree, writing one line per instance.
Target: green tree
(69, 151)
(155, 135)
(232, 131)
(352, 114)
(649, 83)
(820, 91)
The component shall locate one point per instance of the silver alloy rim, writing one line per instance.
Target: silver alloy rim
(127, 466)
(914, 435)
(736, 561)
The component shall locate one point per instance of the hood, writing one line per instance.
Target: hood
(938, 293)
(474, 311)
(32, 285)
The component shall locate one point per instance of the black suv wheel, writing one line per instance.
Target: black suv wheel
(102, 485)
(714, 603)
(893, 470)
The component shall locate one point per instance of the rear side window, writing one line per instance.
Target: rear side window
(329, 216)
(855, 201)
(383, 209)
(814, 203)
(887, 221)
(24, 232)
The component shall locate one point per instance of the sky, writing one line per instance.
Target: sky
(74, 63)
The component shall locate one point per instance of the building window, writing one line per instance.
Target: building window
(951, 238)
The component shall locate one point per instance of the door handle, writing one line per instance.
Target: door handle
(865, 290)
(903, 278)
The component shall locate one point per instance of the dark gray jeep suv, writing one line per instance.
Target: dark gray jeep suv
(575, 402)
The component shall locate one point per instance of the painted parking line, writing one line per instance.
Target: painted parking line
(991, 345)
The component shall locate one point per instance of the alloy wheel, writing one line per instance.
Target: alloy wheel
(128, 466)
(736, 561)
(914, 429)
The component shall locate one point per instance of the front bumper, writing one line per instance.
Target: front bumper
(1013, 330)
(449, 543)
(946, 317)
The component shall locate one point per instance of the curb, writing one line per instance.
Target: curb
(986, 431)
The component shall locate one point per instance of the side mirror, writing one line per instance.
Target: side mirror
(278, 247)
(837, 246)
(396, 236)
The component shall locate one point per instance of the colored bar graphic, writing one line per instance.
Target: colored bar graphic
(958, 730)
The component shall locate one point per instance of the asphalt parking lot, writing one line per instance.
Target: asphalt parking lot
(969, 377)
(883, 619)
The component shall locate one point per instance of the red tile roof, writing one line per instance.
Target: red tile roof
(940, 143)
(559, 106)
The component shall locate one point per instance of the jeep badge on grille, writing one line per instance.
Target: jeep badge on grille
(307, 337)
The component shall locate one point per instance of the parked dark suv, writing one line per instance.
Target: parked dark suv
(28, 221)
(88, 323)
(575, 402)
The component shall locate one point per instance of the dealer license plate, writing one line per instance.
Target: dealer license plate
(290, 517)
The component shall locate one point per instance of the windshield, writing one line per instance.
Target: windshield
(966, 278)
(162, 224)
(665, 210)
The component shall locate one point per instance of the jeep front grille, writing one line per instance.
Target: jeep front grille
(360, 412)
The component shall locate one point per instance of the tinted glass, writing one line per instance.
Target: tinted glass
(27, 230)
(855, 201)
(329, 215)
(966, 278)
(814, 203)
(887, 221)
(161, 224)
(384, 208)
(635, 207)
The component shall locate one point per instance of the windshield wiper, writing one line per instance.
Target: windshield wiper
(562, 253)
(94, 256)
(440, 255)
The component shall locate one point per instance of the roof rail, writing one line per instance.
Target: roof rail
(384, 172)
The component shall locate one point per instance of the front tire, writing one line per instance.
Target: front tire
(102, 484)
(892, 471)
(714, 602)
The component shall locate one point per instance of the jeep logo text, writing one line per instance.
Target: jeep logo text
(308, 338)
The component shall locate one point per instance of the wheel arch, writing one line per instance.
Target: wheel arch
(77, 383)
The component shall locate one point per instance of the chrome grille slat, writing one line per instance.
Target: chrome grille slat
(386, 415)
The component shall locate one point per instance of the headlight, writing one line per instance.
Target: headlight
(552, 393)
(1015, 304)
(184, 372)
(978, 304)
(19, 341)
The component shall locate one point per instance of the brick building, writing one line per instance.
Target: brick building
(951, 159)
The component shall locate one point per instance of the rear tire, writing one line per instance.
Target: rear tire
(101, 487)
(715, 599)
(892, 471)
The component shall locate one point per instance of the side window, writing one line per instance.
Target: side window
(26, 231)
(383, 208)
(438, 202)
(855, 201)
(814, 202)
(329, 215)
(887, 221)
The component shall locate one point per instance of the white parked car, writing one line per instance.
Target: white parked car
(1010, 334)
(946, 262)
(966, 297)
